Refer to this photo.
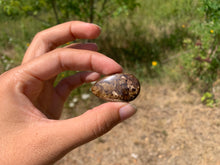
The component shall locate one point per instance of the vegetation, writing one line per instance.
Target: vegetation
(60, 11)
(202, 60)
(155, 38)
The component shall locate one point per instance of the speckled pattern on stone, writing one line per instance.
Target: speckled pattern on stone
(118, 87)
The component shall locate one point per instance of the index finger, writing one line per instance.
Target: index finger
(47, 66)
(51, 38)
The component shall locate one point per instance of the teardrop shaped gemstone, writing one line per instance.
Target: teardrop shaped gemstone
(118, 87)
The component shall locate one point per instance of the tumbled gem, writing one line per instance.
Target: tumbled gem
(118, 87)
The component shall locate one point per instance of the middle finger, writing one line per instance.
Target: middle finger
(51, 38)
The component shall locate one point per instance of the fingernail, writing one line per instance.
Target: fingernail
(92, 76)
(127, 111)
(95, 25)
(98, 26)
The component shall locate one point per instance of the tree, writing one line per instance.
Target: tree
(52, 12)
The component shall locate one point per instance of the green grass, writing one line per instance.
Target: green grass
(16, 35)
(150, 33)
(154, 32)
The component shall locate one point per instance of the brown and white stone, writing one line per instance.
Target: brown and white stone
(118, 87)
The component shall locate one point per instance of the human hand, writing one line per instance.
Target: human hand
(30, 104)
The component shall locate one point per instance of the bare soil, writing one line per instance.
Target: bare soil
(171, 127)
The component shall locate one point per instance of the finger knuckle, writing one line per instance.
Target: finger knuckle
(39, 35)
(42, 37)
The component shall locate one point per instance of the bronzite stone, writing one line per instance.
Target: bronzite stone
(118, 87)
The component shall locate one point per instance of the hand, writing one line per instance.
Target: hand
(30, 104)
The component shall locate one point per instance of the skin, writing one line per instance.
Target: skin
(30, 105)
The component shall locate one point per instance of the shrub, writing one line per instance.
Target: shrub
(202, 58)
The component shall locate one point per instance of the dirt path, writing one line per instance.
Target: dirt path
(171, 127)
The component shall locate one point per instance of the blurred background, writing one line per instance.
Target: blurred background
(171, 46)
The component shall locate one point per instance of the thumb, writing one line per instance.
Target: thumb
(90, 125)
